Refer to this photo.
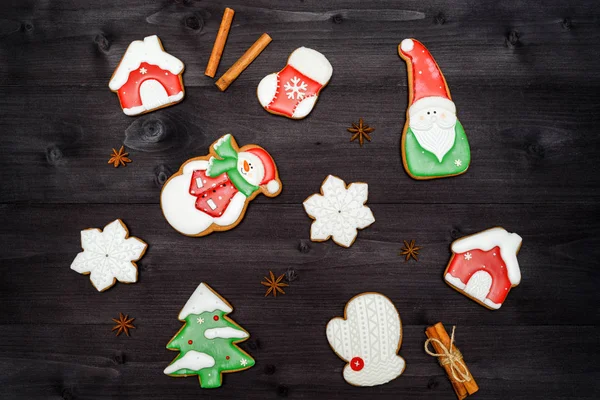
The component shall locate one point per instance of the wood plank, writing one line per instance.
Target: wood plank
(519, 156)
(521, 45)
(556, 263)
(506, 361)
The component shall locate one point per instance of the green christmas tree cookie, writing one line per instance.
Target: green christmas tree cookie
(434, 144)
(207, 341)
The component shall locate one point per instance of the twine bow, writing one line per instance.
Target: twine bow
(451, 356)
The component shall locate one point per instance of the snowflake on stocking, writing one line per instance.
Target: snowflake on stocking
(292, 88)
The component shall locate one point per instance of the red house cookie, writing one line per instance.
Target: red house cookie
(147, 78)
(484, 266)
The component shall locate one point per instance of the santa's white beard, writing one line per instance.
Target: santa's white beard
(435, 139)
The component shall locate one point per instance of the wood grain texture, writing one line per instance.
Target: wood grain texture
(525, 78)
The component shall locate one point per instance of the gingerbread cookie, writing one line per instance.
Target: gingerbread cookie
(293, 91)
(368, 338)
(434, 144)
(109, 255)
(147, 78)
(207, 342)
(211, 193)
(484, 266)
(338, 211)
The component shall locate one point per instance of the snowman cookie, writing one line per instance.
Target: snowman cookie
(211, 193)
(293, 91)
(368, 338)
(434, 144)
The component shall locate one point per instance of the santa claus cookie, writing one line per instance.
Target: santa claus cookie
(147, 77)
(484, 266)
(434, 144)
(368, 338)
(293, 91)
(211, 193)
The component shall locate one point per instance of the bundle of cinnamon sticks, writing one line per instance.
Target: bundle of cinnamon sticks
(451, 360)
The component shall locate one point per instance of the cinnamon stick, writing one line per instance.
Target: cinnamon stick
(242, 63)
(462, 389)
(217, 51)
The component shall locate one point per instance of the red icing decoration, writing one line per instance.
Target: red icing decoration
(281, 103)
(463, 269)
(216, 317)
(215, 194)
(129, 93)
(227, 357)
(430, 81)
(190, 342)
(357, 364)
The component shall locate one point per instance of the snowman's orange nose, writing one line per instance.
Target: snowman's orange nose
(246, 166)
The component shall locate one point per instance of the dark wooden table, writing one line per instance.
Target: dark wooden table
(525, 76)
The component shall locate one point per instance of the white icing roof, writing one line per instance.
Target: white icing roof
(203, 300)
(509, 244)
(150, 51)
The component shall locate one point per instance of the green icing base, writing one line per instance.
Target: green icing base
(420, 163)
(226, 354)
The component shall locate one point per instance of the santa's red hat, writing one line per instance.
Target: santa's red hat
(428, 84)
(270, 170)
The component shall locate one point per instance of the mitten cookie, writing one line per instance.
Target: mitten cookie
(434, 144)
(293, 91)
(368, 339)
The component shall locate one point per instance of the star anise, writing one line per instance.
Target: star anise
(274, 285)
(124, 323)
(410, 250)
(119, 157)
(361, 131)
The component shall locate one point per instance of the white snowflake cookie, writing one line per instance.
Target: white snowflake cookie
(109, 255)
(338, 211)
(368, 338)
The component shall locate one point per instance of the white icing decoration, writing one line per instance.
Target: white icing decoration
(211, 204)
(233, 211)
(338, 211)
(509, 244)
(432, 121)
(143, 108)
(267, 89)
(192, 360)
(199, 182)
(491, 304)
(295, 87)
(203, 300)
(312, 64)
(371, 331)
(243, 362)
(273, 186)
(224, 333)
(407, 45)
(305, 107)
(149, 51)
(456, 282)
(479, 285)
(108, 255)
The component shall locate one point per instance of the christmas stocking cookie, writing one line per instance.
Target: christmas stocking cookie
(211, 193)
(368, 339)
(293, 91)
(207, 342)
(434, 144)
(484, 266)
